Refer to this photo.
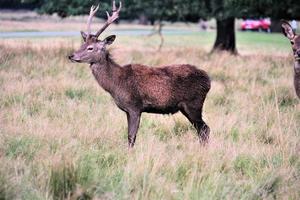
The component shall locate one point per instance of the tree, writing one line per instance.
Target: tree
(168, 10)
(224, 12)
(66, 8)
(275, 9)
(19, 4)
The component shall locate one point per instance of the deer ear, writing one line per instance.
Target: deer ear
(84, 35)
(109, 40)
(287, 30)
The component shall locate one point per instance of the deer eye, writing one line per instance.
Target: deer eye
(292, 42)
(90, 48)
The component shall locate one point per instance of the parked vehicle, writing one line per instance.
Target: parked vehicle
(256, 25)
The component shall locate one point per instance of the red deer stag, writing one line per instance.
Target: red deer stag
(138, 88)
(295, 42)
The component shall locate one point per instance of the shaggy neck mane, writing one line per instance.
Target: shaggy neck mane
(107, 72)
(297, 67)
(109, 60)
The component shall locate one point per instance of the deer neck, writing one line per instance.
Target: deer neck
(106, 73)
(297, 67)
(297, 77)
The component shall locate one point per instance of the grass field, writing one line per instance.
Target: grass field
(61, 136)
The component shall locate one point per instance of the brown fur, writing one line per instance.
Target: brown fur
(295, 43)
(137, 88)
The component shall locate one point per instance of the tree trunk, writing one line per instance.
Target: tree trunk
(160, 26)
(159, 32)
(143, 19)
(225, 40)
(275, 26)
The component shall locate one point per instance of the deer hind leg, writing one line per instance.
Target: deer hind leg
(194, 115)
(297, 83)
(133, 120)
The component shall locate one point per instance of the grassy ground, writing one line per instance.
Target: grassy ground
(61, 136)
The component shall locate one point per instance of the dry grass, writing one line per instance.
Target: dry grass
(61, 136)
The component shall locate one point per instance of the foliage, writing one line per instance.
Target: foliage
(254, 9)
(13, 4)
(171, 10)
(268, 8)
(65, 8)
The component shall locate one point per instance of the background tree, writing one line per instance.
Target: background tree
(66, 8)
(157, 11)
(224, 12)
(275, 9)
(19, 4)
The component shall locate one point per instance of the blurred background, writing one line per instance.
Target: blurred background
(223, 16)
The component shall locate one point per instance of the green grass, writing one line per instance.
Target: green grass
(62, 137)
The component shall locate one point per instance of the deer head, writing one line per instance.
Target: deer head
(293, 37)
(93, 50)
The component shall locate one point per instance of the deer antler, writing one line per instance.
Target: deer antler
(110, 18)
(90, 18)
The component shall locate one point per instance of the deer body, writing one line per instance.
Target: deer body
(164, 90)
(147, 89)
(295, 42)
(137, 88)
(297, 77)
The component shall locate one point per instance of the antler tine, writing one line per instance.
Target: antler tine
(111, 18)
(90, 18)
(114, 6)
(120, 6)
(115, 14)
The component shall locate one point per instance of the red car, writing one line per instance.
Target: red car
(256, 24)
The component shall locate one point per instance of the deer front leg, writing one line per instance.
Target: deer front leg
(297, 77)
(133, 120)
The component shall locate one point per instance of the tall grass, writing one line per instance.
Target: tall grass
(61, 136)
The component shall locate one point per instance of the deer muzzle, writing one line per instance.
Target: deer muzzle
(297, 55)
(73, 58)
